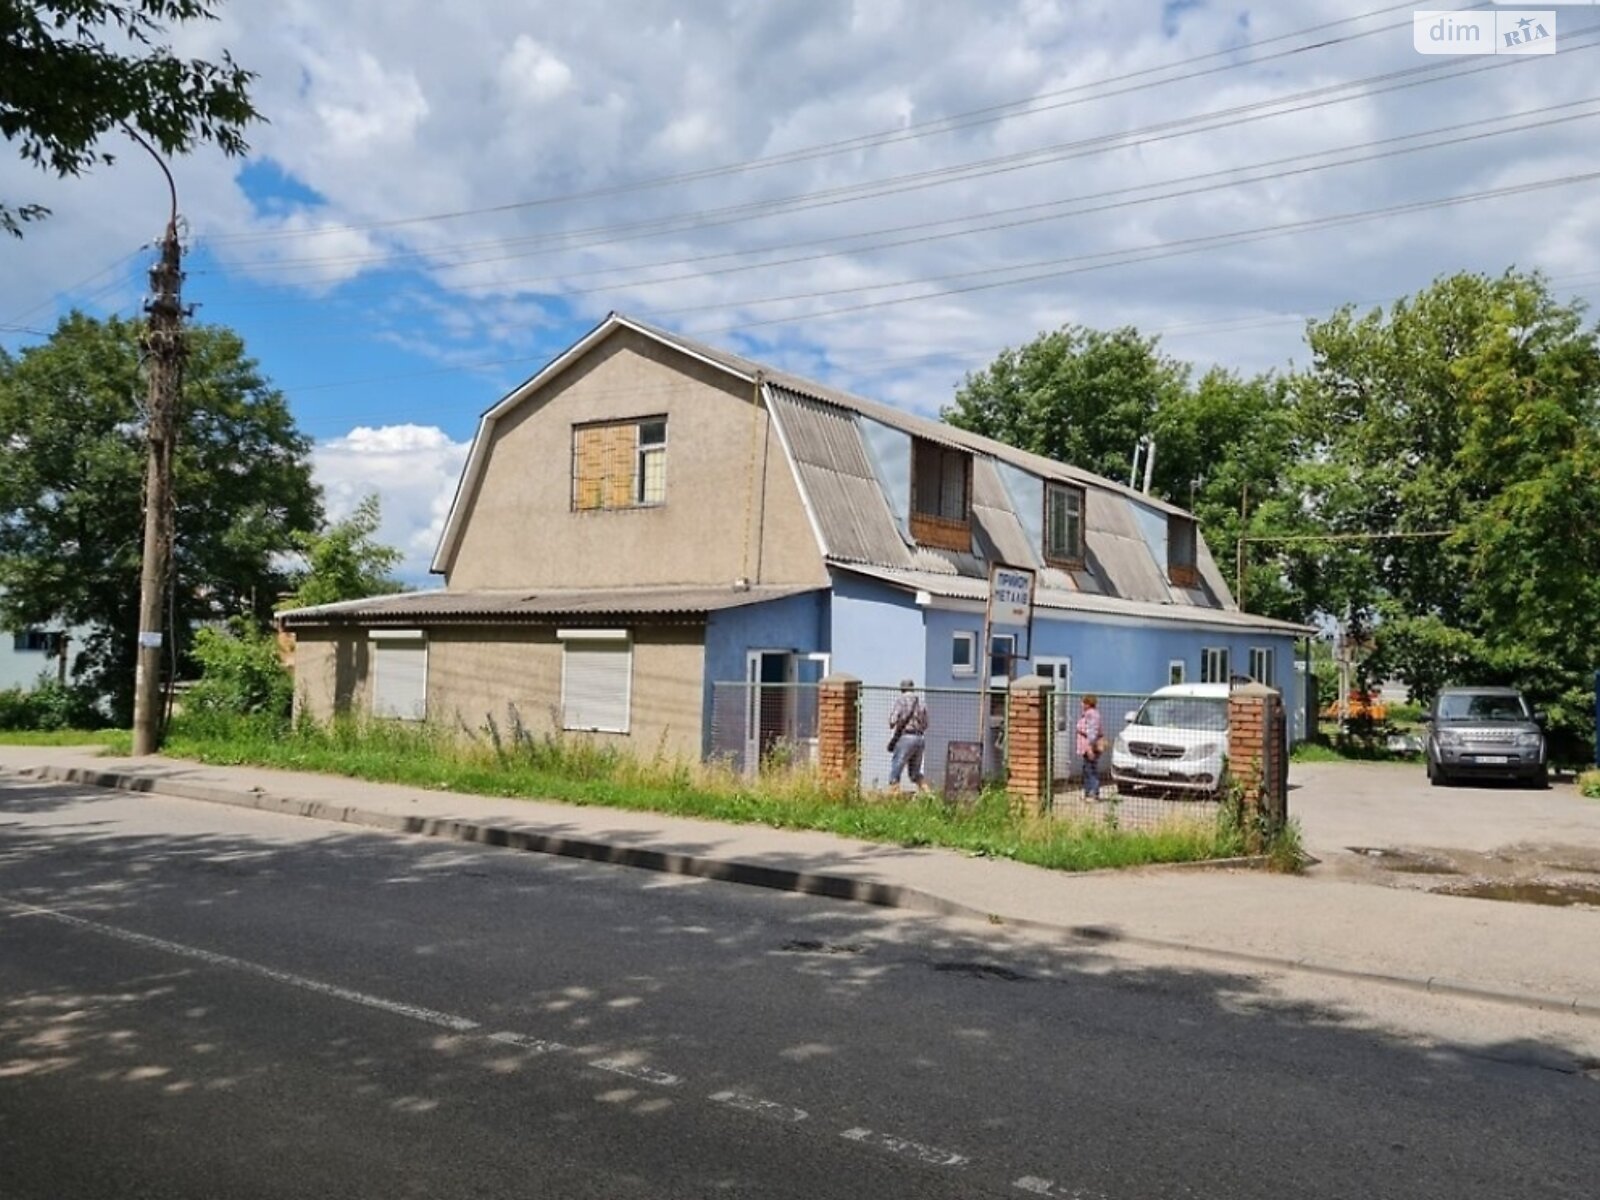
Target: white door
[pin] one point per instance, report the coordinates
(1062, 748)
(769, 703)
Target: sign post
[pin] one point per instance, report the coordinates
(1010, 604)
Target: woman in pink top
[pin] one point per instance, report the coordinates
(1089, 734)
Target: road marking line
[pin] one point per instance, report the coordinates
(523, 1042)
(414, 1012)
(932, 1155)
(646, 1074)
(763, 1108)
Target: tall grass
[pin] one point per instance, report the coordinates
(511, 761)
(115, 741)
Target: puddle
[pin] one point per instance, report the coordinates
(1399, 860)
(1558, 895)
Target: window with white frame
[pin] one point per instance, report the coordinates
(619, 464)
(1175, 671)
(596, 679)
(1002, 649)
(964, 654)
(399, 674)
(1214, 665)
(1262, 666)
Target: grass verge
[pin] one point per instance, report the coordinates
(577, 771)
(118, 741)
(1589, 784)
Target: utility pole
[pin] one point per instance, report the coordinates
(1238, 569)
(164, 364)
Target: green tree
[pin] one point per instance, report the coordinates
(72, 71)
(1077, 395)
(344, 563)
(1226, 441)
(1471, 409)
(72, 458)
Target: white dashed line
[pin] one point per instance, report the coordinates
(523, 1042)
(931, 1155)
(762, 1108)
(414, 1012)
(645, 1074)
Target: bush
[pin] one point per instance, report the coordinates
(50, 705)
(241, 677)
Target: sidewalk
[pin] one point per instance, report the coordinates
(1479, 948)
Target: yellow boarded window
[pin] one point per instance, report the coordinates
(619, 464)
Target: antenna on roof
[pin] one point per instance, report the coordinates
(1146, 445)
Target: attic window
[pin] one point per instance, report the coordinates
(1182, 564)
(941, 489)
(1063, 525)
(619, 464)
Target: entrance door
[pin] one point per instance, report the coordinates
(1063, 746)
(769, 703)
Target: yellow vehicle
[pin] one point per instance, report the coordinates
(1367, 706)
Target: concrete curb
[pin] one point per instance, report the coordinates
(811, 883)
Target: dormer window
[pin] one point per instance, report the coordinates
(1182, 562)
(1063, 526)
(941, 491)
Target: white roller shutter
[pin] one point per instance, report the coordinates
(399, 674)
(596, 679)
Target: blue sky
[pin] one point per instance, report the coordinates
(442, 189)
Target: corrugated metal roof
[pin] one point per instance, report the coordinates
(960, 587)
(441, 606)
(923, 427)
(837, 479)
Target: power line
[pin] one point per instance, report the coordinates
(67, 291)
(1166, 249)
(1262, 176)
(934, 126)
(533, 245)
(1157, 252)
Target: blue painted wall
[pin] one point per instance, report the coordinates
(798, 623)
(877, 631)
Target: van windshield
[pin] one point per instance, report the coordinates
(1466, 706)
(1184, 712)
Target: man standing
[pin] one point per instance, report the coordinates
(908, 720)
(1091, 744)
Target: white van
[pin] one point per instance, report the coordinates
(1177, 741)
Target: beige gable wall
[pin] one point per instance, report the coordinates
(475, 673)
(732, 509)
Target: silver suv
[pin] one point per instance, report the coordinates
(1485, 732)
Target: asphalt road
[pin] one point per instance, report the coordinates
(198, 1001)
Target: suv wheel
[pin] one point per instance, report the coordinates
(1436, 775)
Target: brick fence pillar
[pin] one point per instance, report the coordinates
(838, 729)
(1028, 744)
(1258, 751)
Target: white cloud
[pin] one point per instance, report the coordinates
(531, 74)
(412, 468)
(388, 109)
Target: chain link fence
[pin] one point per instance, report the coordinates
(1163, 761)
(763, 725)
(963, 748)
